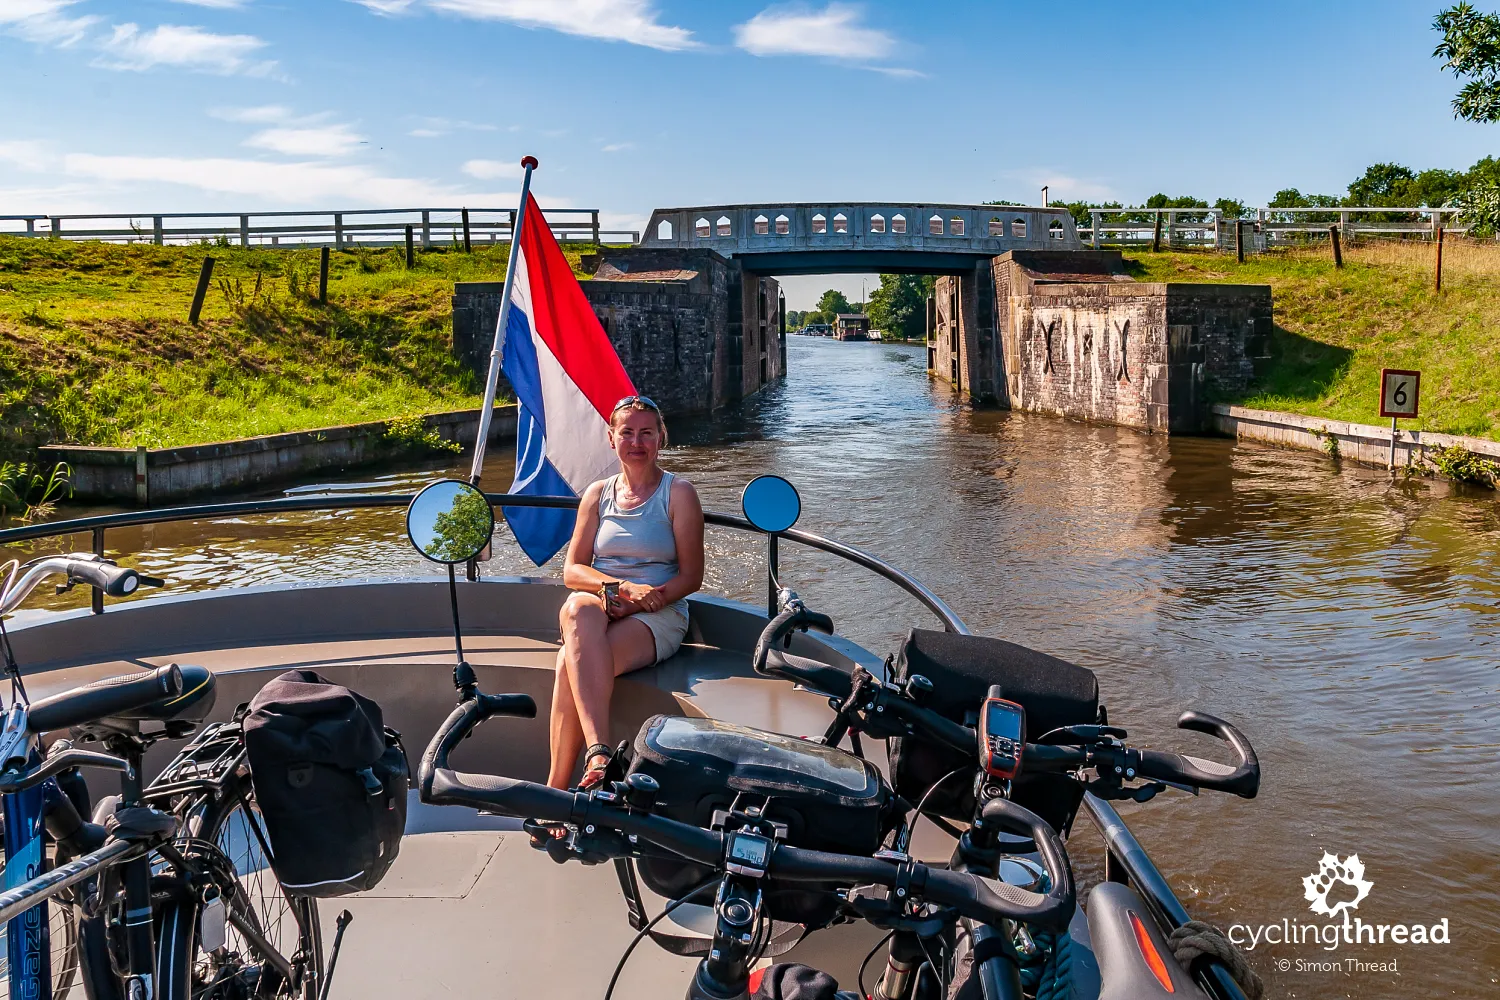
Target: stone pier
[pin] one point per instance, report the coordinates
(694, 329)
(1072, 334)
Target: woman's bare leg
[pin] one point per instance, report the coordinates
(595, 651)
(566, 736)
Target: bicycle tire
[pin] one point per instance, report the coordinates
(290, 923)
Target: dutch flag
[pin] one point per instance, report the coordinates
(566, 377)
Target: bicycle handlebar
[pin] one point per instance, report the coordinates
(1241, 778)
(971, 896)
(12, 781)
(103, 698)
(116, 581)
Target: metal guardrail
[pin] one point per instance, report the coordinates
(1206, 228)
(356, 227)
(97, 525)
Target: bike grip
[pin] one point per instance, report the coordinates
(460, 722)
(1056, 908)
(1242, 779)
(773, 633)
(116, 581)
(103, 698)
(820, 677)
(821, 622)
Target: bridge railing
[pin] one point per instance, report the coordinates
(339, 229)
(1207, 229)
(771, 226)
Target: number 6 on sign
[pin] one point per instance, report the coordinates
(1399, 392)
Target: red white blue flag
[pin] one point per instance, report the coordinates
(567, 379)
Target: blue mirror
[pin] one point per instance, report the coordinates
(771, 503)
(450, 521)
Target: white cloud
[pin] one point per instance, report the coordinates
(425, 133)
(215, 4)
(633, 21)
(616, 147)
(265, 114)
(289, 184)
(28, 154)
(432, 128)
(386, 6)
(183, 46)
(43, 21)
(834, 32)
(1061, 186)
(487, 170)
(325, 140)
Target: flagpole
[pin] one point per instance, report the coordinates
(492, 379)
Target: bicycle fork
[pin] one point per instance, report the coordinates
(140, 942)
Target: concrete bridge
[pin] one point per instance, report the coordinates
(849, 237)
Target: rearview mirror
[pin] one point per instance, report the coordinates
(450, 521)
(771, 503)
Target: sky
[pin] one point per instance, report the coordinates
(630, 105)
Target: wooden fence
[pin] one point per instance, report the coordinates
(1207, 229)
(360, 227)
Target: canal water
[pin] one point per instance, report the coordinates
(1349, 626)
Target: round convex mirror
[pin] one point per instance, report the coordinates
(450, 521)
(771, 503)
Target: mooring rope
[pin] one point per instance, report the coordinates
(1195, 939)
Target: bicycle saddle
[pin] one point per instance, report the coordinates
(191, 706)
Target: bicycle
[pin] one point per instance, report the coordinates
(161, 872)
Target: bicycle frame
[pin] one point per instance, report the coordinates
(28, 936)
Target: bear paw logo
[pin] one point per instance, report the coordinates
(1331, 873)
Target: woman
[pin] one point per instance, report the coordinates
(636, 553)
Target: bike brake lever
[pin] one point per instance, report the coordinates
(150, 581)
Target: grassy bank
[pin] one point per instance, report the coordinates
(1335, 329)
(95, 346)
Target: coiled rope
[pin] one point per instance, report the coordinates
(1195, 939)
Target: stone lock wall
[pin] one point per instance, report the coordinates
(1078, 338)
(693, 330)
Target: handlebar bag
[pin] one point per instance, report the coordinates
(827, 799)
(330, 780)
(962, 667)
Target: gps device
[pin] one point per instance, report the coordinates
(747, 854)
(1002, 733)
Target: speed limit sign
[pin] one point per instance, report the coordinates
(1399, 392)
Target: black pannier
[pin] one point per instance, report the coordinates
(331, 782)
(829, 800)
(962, 667)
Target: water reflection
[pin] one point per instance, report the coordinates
(1348, 624)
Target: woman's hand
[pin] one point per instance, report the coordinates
(639, 597)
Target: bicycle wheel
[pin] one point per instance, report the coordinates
(62, 928)
(288, 924)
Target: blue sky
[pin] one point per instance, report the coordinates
(632, 104)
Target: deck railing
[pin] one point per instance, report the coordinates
(355, 227)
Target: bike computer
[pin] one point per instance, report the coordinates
(747, 854)
(1002, 734)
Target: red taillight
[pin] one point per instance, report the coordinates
(1150, 954)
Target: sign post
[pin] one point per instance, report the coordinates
(1399, 397)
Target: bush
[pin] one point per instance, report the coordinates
(1463, 466)
(411, 433)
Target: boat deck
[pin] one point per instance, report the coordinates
(469, 909)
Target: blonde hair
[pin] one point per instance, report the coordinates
(638, 406)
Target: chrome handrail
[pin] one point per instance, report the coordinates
(99, 523)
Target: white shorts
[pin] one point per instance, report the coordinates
(668, 627)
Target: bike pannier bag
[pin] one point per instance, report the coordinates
(962, 667)
(829, 800)
(330, 780)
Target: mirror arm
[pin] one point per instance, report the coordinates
(463, 674)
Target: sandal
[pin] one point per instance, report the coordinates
(596, 761)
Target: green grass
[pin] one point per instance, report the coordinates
(1335, 329)
(95, 347)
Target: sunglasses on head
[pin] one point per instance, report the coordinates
(645, 401)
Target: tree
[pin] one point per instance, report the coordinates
(1382, 184)
(1471, 49)
(899, 306)
(833, 302)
